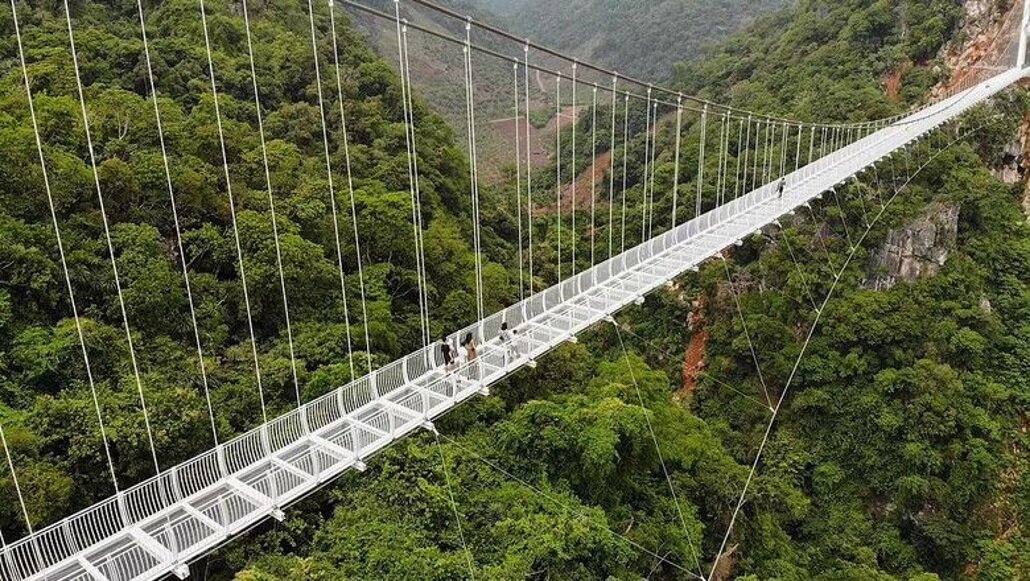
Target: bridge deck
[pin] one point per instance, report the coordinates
(157, 527)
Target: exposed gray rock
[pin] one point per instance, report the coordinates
(916, 250)
(1011, 169)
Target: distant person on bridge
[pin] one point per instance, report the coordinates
(779, 188)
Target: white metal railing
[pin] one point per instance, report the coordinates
(155, 527)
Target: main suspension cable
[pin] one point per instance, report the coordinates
(453, 14)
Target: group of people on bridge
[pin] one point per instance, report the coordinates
(467, 352)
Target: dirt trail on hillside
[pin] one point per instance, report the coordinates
(541, 139)
(599, 170)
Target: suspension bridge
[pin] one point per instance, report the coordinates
(157, 527)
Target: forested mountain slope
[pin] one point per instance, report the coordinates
(642, 38)
(839, 55)
(45, 400)
(900, 453)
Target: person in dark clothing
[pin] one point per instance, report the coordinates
(780, 188)
(447, 353)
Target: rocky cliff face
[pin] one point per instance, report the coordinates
(989, 33)
(1011, 169)
(916, 250)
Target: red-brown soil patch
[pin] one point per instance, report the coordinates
(892, 83)
(694, 361)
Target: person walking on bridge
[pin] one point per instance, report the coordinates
(779, 189)
(507, 337)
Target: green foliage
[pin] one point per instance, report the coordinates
(542, 489)
(59, 452)
(897, 454)
(838, 52)
(895, 457)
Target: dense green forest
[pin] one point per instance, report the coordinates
(44, 397)
(900, 453)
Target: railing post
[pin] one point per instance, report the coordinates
(339, 401)
(373, 384)
(302, 411)
(123, 511)
(306, 431)
(220, 457)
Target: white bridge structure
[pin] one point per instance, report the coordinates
(157, 527)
